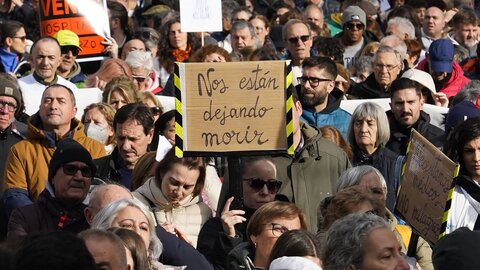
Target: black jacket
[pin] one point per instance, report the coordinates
(400, 136)
(369, 89)
(385, 161)
(215, 244)
(45, 215)
(179, 252)
(108, 167)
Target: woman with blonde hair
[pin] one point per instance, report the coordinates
(109, 69)
(120, 91)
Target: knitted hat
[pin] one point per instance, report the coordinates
(440, 55)
(458, 250)
(67, 151)
(10, 89)
(354, 13)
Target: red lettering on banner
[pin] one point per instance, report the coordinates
(57, 8)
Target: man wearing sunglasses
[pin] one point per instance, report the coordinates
(141, 64)
(61, 205)
(319, 97)
(70, 48)
(353, 35)
(298, 41)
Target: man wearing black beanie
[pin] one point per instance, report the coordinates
(60, 206)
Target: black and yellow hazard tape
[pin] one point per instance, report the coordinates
(448, 205)
(289, 107)
(178, 112)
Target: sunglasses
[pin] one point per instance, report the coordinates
(139, 79)
(351, 26)
(22, 38)
(155, 110)
(73, 49)
(257, 184)
(71, 170)
(294, 40)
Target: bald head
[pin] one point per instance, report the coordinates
(103, 195)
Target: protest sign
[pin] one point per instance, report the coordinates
(87, 18)
(426, 181)
(233, 107)
(201, 15)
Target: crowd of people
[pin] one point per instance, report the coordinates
(107, 191)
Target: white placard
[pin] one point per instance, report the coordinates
(201, 15)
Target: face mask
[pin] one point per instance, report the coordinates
(96, 132)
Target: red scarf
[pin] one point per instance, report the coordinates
(181, 55)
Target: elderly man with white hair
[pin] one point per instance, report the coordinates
(401, 27)
(141, 64)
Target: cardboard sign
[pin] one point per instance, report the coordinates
(201, 15)
(426, 181)
(232, 107)
(87, 18)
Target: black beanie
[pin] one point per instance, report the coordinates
(457, 250)
(67, 151)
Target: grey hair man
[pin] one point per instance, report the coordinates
(298, 40)
(106, 248)
(401, 27)
(243, 36)
(141, 64)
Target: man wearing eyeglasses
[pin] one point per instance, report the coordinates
(319, 97)
(70, 48)
(11, 131)
(387, 66)
(352, 37)
(61, 205)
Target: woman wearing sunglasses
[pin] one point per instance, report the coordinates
(12, 49)
(266, 225)
(173, 194)
(228, 229)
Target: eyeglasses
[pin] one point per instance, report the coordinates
(71, 170)
(65, 49)
(388, 67)
(294, 40)
(22, 38)
(139, 79)
(313, 81)
(351, 26)
(257, 184)
(155, 110)
(10, 106)
(277, 229)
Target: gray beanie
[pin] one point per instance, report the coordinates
(354, 13)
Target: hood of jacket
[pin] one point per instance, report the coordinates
(154, 195)
(36, 132)
(333, 101)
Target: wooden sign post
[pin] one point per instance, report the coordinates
(426, 182)
(86, 18)
(233, 107)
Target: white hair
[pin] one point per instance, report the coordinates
(405, 26)
(140, 59)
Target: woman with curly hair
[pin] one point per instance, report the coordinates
(174, 46)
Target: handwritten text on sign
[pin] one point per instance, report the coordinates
(424, 188)
(234, 106)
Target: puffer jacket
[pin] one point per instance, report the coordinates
(311, 174)
(189, 215)
(26, 170)
(46, 215)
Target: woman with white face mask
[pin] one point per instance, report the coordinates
(98, 124)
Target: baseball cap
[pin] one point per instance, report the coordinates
(67, 38)
(440, 55)
(10, 89)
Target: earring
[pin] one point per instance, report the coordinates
(255, 244)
